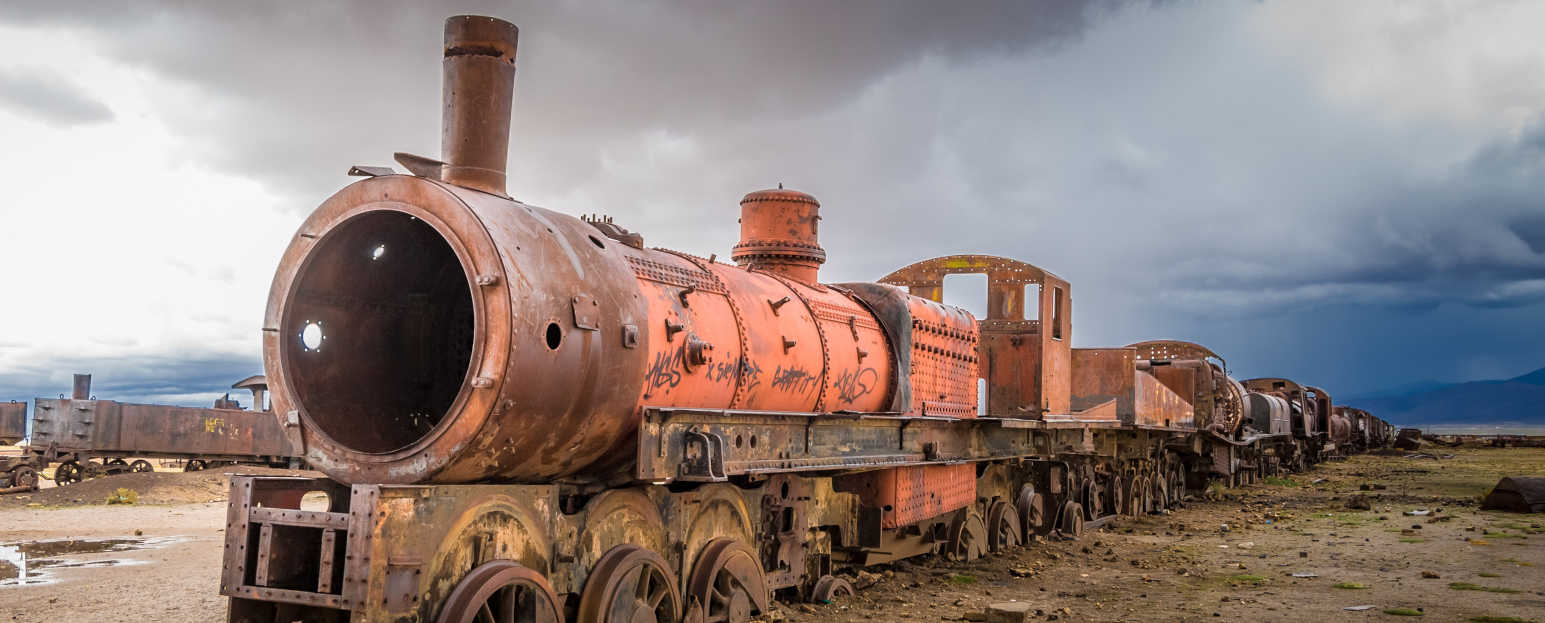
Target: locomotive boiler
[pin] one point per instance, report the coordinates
(533, 416)
(428, 328)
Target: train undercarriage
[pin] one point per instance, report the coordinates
(711, 545)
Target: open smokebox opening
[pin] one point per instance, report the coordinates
(377, 336)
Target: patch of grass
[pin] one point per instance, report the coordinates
(1515, 561)
(123, 496)
(1487, 618)
(961, 578)
(1403, 612)
(1502, 535)
(1467, 586)
(1253, 580)
(1413, 540)
(1488, 574)
(1282, 482)
(1351, 586)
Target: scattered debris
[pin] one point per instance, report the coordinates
(1520, 494)
(1359, 502)
(1431, 575)
(1359, 608)
(1306, 574)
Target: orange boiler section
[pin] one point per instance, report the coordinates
(418, 331)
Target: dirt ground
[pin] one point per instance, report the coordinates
(1182, 566)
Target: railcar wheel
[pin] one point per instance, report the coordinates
(1156, 493)
(967, 538)
(1118, 495)
(117, 463)
(501, 591)
(727, 584)
(193, 465)
(141, 466)
(68, 473)
(630, 584)
(1003, 529)
(830, 588)
(1093, 502)
(1032, 511)
(1072, 524)
(25, 476)
(1177, 484)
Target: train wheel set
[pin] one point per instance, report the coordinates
(526, 416)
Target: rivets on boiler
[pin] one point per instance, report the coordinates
(482, 382)
(487, 280)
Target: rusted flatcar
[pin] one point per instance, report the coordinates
(17, 473)
(526, 416)
(88, 437)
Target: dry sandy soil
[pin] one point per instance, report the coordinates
(1183, 566)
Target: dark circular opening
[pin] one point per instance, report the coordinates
(385, 297)
(554, 336)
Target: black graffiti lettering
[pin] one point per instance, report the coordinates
(665, 371)
(794, 379)
(853, 384)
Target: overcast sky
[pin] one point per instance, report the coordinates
(1349, 194)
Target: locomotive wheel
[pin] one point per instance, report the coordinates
(1032, 511)
(1135, 496)
(502, 591)
(117, 463)
(1003, 529)
(1177, 486)
(968, 538)
(1118, 495)
(141, 466)
(830, 588)
(1156, 493)
(25, 476)
(630, 585)
(67, 473)
(1093, 499)
(1072, 523)
(193, 465)
(727, 584)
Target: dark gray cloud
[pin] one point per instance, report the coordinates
(1189, 178)
(52, 99)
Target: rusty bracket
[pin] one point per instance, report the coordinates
(586, 310)
(704, 458)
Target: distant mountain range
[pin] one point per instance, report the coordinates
(1519, 400)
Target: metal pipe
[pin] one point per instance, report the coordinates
(479, 70)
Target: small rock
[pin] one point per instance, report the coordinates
(1430, 575)
(1359, 502)
(1007, 612)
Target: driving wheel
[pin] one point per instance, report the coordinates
(727, 584)
(630, 584)
(501, 591)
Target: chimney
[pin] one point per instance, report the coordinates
(82, 387)
(778, 234)
(479, 84)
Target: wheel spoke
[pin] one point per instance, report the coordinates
(511, 598)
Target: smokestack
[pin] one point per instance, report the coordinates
(82, 387)
(778, 234)
(479, 84)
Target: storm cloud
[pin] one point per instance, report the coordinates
(1346, 194)
(49, 98)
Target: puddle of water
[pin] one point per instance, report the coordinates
(29, 562)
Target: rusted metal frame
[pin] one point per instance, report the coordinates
(244, 513)
(670, 442)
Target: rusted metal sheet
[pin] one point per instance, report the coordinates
(98, 426)
(908, 495)
(1217, 400)
(108, 427)
(13, 422)
(1156, 405)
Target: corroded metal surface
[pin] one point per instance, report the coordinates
(13, 421)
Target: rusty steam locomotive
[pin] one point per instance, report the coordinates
(527, 416)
